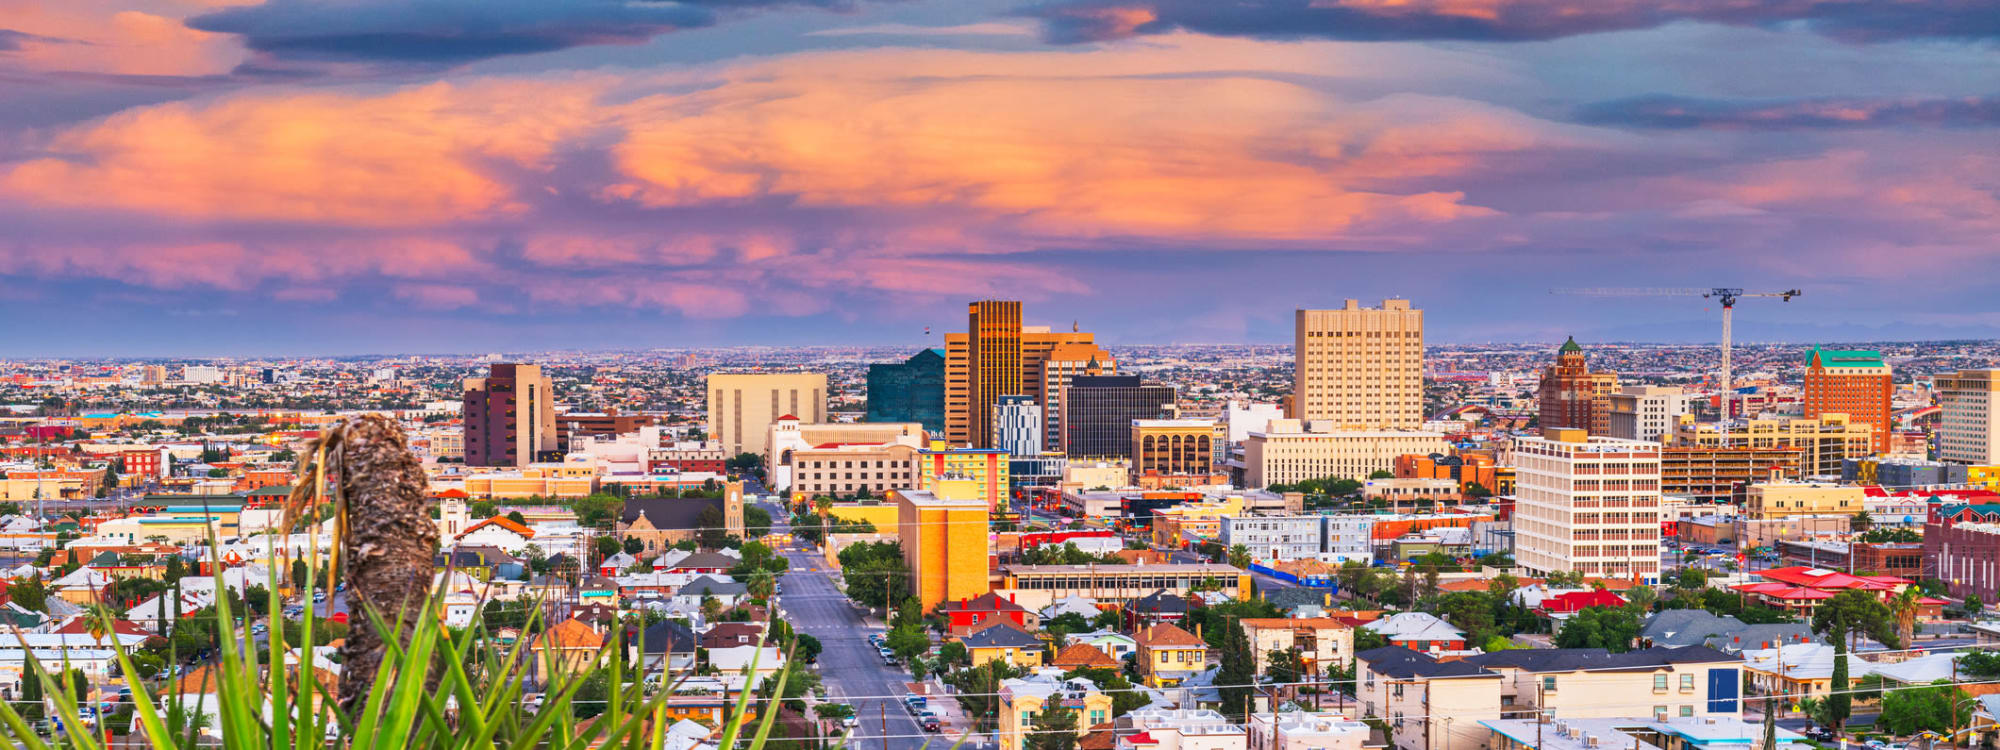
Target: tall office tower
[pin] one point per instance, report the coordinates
(1646, 412)
(510, 416)
(1573, 396)
(1017, 426)
(1588, 504)
(1969, 425)
(997, 356)
(1053, 372)
(909, 391)
(1360, 368)
(1855, 383)
(742, 406)
(1098, 411)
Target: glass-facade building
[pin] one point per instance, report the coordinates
(909, 391)
(1099, 409)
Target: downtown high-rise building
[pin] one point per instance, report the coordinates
(998, 356)
(743, 406)
(1572, 395)
(510, 416)
(1587, 504)
(1360, 368)
(1969, 417)
(1856, 383)
(1099, 411)
(909, 391)
(1017, 426)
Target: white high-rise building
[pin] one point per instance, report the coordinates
(1588, 504)
(1969, 418)
(1645, 412)
(1017, 426)
(202, 374)
(1245, 418)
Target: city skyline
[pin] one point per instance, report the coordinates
(298, 176)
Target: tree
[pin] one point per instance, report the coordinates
(711, 528)
(907, 641)
(633, 546)
(1608, 628)
(1054, 728)
(833, 711)
(1903, 607)
(756, 521)
(1472, 612)
(1284, 666)
(483, 509)
(1239, 556)
(1861, 522)
(30, 702)
(1938, 707)
(607, 546)
(516, 517)
(30, 594)
(745, 463)
(598, 509)
(1842, 619)
(1238, 676)
(953, 653)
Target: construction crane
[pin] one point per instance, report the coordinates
(1727, 295)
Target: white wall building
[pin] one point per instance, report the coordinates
(1969, 422)
(1645, 412)
(1290, 451)
(1589, 504)
(1244, 418)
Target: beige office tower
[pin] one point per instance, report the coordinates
(742, 406)
(1053, 372)
(997, 356)
(1360, 368)
(1969, 417)
(1587, 504)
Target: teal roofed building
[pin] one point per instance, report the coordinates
(1844, 358)
(1854, 382)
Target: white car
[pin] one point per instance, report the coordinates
(850, 721)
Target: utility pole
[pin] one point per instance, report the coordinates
(883, 709)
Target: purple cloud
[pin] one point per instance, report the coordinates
(1682, 113)
(1506, 20)
(456, 31)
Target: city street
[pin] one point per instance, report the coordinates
(848, 665)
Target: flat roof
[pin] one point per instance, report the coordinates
(1211, 568)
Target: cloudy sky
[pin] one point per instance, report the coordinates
(297, 176)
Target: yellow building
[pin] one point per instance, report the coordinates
(1191, 522)
(1984, 476)
(1176, 448)
(537, 480)
(945, 545)
(1824, 441)
(964, 474)
(1001, 641)
(883, 515)
(1169, 655)
(1021, 699)
(1784, 499)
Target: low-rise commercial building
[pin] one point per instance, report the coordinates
(1038, 586)
(1784, 499)
(1290, 451)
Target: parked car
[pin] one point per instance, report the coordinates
(931, 724)
(850, 721)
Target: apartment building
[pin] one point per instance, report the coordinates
(1276, 537)
(1323, 643)
(1022, 698)
(944, 544)
(1302, 730)
(1428, 704)
(1360, 368)
(1714, 474)
(843, 458)
(1588, 504)
(1969, 423)
(509, 416)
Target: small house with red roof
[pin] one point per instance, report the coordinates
(971, 615)
(1560, 606)
(498, 531)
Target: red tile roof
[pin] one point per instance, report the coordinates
(1575, 601)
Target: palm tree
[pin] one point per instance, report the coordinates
(1861, 522)
(1239, 556)
(1903, 607)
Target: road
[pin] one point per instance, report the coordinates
(848, 665)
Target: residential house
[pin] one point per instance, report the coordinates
(969, 615)
(1118, 645)
(1303, 730)
(498, 531)
(1323, 643)
(567, 648)
(1002, 641)
(1020, 699)
(613, 566)
(705, 562)
(1153, 609)
(1081, 606)
(1592, 682)
(725, 591)
(1428, 704)
(1182, 729)
(1559, 608)
(1084, 656)
(756, 661)
(1169, 655)
(667, 644)
(730, 634)
(1419, 631)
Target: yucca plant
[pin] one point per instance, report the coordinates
(409, 682)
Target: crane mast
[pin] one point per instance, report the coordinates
(1726, 295)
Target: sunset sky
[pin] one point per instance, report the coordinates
(364, 176)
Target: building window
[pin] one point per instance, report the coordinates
(1687, 710)
(1659, 683)
(1687, 682)
(1549, 684)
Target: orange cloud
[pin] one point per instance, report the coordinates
(100, 36)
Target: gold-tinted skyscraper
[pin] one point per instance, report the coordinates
(1361, 368)
(997, 356)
